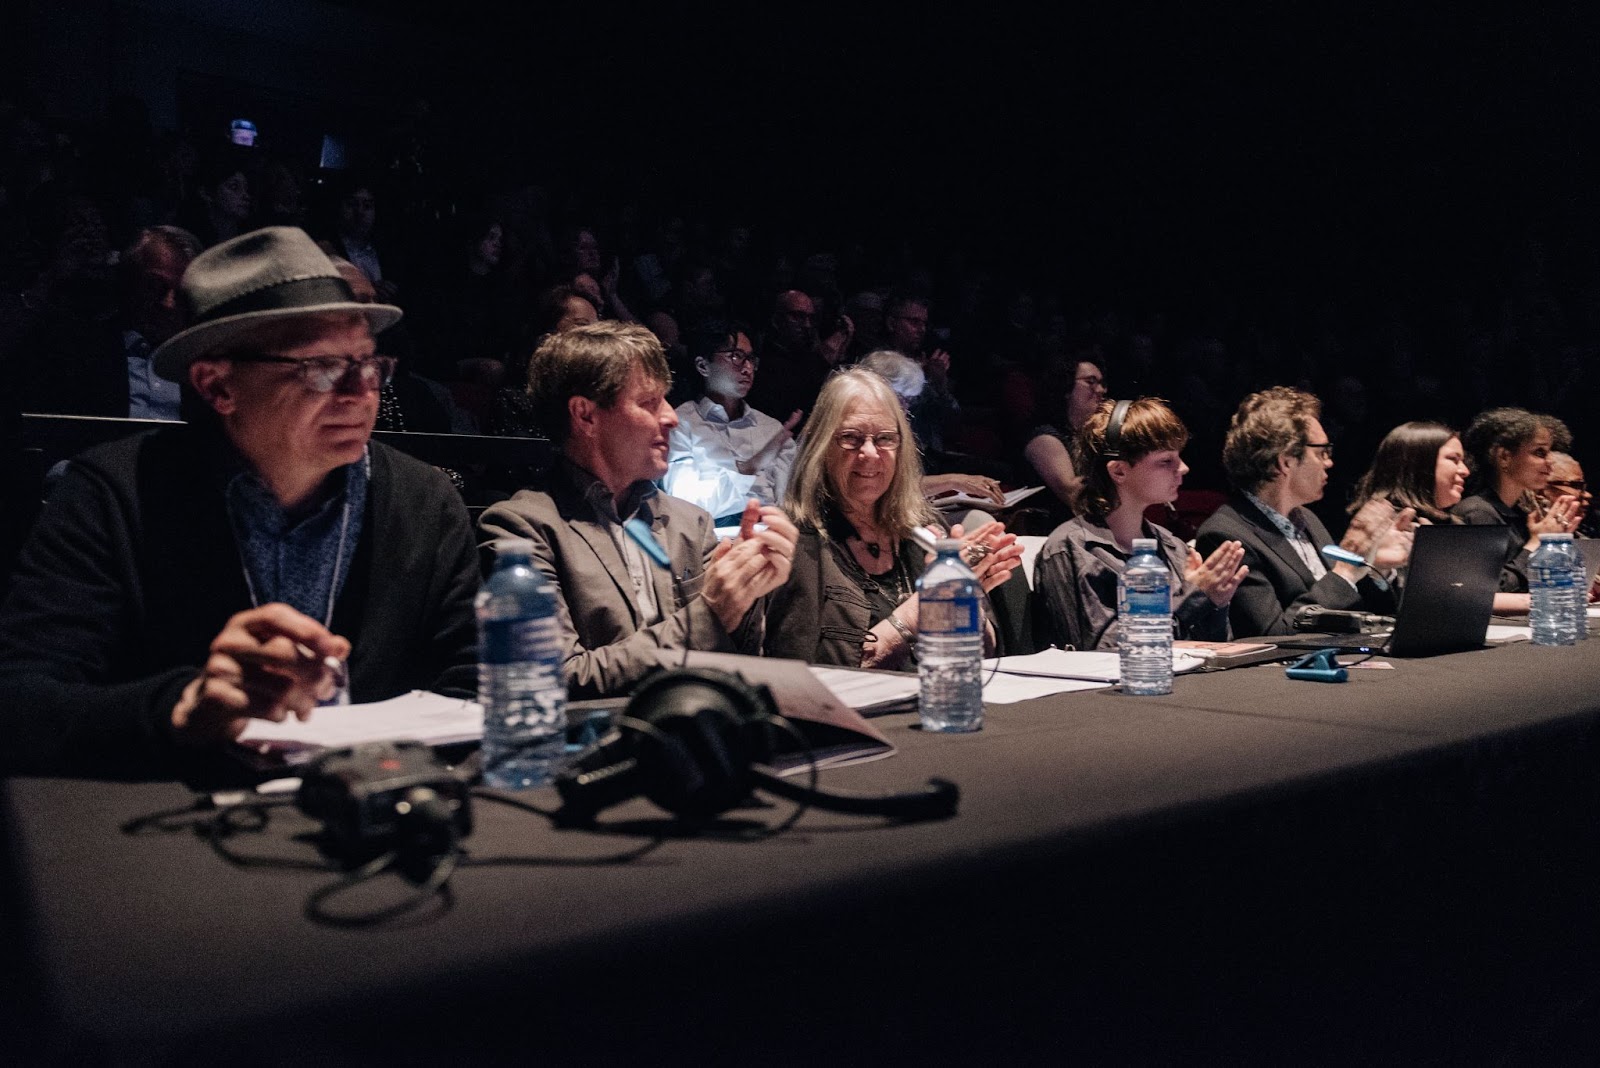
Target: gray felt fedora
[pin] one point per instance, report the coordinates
(267, 274)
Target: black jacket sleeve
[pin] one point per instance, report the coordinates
(64, 629)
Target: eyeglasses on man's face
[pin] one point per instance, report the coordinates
(1573, 486)
(324, 374)
(1325, 447)
(853, 440)
(739, 357)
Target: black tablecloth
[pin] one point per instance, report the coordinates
(1247, 866)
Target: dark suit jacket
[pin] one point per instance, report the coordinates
(132, 570)
(1486, 509)
(1279, 583)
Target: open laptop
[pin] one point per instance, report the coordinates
(1448, 596)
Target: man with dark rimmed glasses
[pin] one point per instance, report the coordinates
(1566, 478)
(1277, 456)
(724, 451)
(262, 559)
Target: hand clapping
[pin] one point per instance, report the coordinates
(990, 551)
(747, 568)
(1219, 574)
(1562, 516)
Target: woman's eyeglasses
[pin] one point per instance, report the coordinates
(852, 440)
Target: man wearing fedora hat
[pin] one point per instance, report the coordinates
(262, 558)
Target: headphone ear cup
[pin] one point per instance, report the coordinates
(690, 741)
(1113, 449)
(707, 732)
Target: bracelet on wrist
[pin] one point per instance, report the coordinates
(904, 631)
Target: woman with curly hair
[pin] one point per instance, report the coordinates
(1509, 450)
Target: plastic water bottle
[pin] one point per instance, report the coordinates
(1555, 602)
(1580, 589)
(520, 682)
(1144, 621)
(950, 642)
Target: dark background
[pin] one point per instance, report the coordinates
(1402, 151)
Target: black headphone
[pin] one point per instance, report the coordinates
(1113, 449)
(689, 741)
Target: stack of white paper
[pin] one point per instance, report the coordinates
(418, 716)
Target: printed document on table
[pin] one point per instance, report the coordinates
(1006, 689)
(418, 716)
(870, 692)
(1103, 667)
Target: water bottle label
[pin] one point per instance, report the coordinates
(1145, 603)
(958, 616)
(1557, 578)
(511, 641)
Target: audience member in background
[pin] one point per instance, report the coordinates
(738, 277)
(694, 297)
(151, 269)
(856, 495)
(906, 377)
(601, 390)
(653, 266)
(1423, 466)
(408, 402)
(1277, 457)
(355, 220)
(1566, 477)
(865, 311)
(1073, 390)
(283, 200)
(185, 581)
(472, 321)
(61, 338)
(221, 205)
(793, 365)
(603, 293)
(555, 311)
(586, 268)
(1509, 451)
(724, 452)
(905, 318)
(581, 252)
(1075, 584)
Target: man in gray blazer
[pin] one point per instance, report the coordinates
(602, 391)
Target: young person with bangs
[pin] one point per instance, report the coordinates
(1131, 453)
